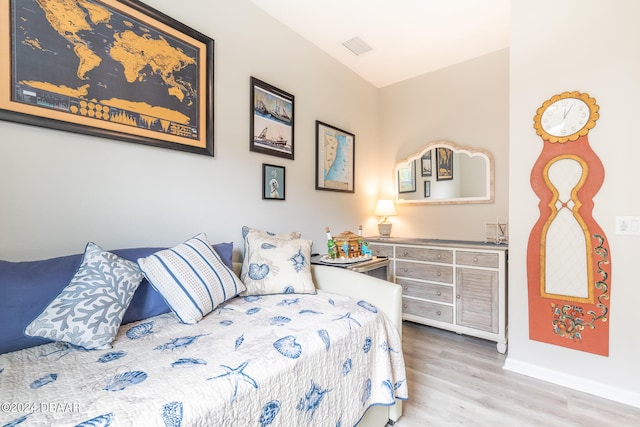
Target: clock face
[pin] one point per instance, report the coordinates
(565, 117)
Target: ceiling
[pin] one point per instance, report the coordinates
(407, 37)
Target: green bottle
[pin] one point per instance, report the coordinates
(332, 250)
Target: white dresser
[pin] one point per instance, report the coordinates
(456, 285)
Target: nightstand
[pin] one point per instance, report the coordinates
(376, 266)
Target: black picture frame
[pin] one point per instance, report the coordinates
(335, 158)
(407, 177)
(80, 82)
(425, 164)
(427, 189)
(272, 120)
(273, 182)
(444, 164)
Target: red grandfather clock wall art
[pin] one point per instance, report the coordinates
(568, 258)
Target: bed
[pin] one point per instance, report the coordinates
(333, 358)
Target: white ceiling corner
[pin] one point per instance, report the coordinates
(408, 37)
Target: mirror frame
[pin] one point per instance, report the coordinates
(472, 152)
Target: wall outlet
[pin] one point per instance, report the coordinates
(628, 225)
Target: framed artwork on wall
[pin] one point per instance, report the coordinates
(271, 120)
(427, 189)
(335, 158)
(124, 71)
(407, 177)
(273, 182)
(425, 163)
(444, 162)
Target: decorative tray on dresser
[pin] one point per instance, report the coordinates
(456, 285)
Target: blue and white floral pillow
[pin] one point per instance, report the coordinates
(274, 265)
(89, 310)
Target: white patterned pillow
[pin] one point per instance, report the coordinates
(89, 310)
(277, 266)
(248, 231)
(192, 278)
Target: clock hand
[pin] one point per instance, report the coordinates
(567, 111)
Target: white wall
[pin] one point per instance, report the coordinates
(588, 46)
(467, 104)
(59, 190)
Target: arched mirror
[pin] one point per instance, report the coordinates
(444, 173)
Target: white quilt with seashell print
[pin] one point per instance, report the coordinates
(271, 360)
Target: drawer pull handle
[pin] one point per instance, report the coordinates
(439, 313)
(438, 274)
(405, 253)
(439, 293)
(475, 259)
(439, 256)
(404, 305)
(458, 296)
(406, 287)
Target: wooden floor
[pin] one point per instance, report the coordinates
(459, 380)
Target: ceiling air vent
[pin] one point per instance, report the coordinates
(357, 46)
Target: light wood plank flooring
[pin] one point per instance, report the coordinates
(459, 380)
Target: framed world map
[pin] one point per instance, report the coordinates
(114, 69)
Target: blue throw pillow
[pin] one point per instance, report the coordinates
(146, 302)
(25, 289)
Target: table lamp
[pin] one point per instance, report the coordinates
(385, 209)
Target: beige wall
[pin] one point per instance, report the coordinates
(59, 190)
(467, 104)
(588, 47)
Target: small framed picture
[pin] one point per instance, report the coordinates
(425, 162)
(271, 120)
(444, 160)
(273, 182)
(427, 189)
(407, 177)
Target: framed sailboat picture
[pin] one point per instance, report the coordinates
(271, 120)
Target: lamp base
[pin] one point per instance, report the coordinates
(384, 229)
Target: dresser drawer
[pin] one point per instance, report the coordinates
(429, 310)
(430, 291)
(431, 272)
(381, 250)
(480, 259)
(424, 254)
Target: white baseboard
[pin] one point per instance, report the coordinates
(577, 383)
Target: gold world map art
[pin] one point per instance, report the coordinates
(101, 64)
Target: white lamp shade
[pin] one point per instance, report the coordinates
(385, 208)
